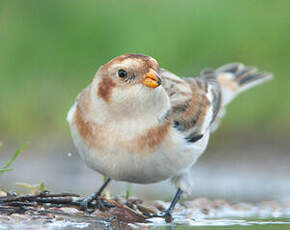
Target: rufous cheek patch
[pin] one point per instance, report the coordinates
(105, 89)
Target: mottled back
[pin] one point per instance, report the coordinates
(198, 103)
(195, 102)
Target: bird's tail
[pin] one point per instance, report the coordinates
(235, 78)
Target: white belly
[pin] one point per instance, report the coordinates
(171, 158)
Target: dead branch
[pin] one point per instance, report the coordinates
(58, 204)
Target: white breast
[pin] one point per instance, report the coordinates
(173, 156)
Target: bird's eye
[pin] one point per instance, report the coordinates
(122, 73)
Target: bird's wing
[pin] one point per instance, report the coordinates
(198, 104)
(195, 102)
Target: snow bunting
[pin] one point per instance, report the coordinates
(139, 123)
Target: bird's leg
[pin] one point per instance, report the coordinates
(85, 203)
(167, 214)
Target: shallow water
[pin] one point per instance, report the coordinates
(232, 223)
(200, 213)
(215, 224)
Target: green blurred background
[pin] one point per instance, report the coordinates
(50, 50)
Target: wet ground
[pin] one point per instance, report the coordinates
(131, 214)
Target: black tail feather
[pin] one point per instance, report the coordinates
(244, 76)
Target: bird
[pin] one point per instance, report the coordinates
(139, 123)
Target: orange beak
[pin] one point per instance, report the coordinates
(151, 80)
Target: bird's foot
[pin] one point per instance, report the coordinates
(166, 215)
(90, 203)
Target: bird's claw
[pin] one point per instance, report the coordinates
(94, 203)
(85, 203)
(166, 215)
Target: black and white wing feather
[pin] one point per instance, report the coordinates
(195, 102)
(198, 104)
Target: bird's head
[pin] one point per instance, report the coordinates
(130, 84)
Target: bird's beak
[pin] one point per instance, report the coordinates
(151, 79)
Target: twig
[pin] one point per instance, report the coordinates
(44, 203)
(33, 197)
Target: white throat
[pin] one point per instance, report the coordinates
(137, 103)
